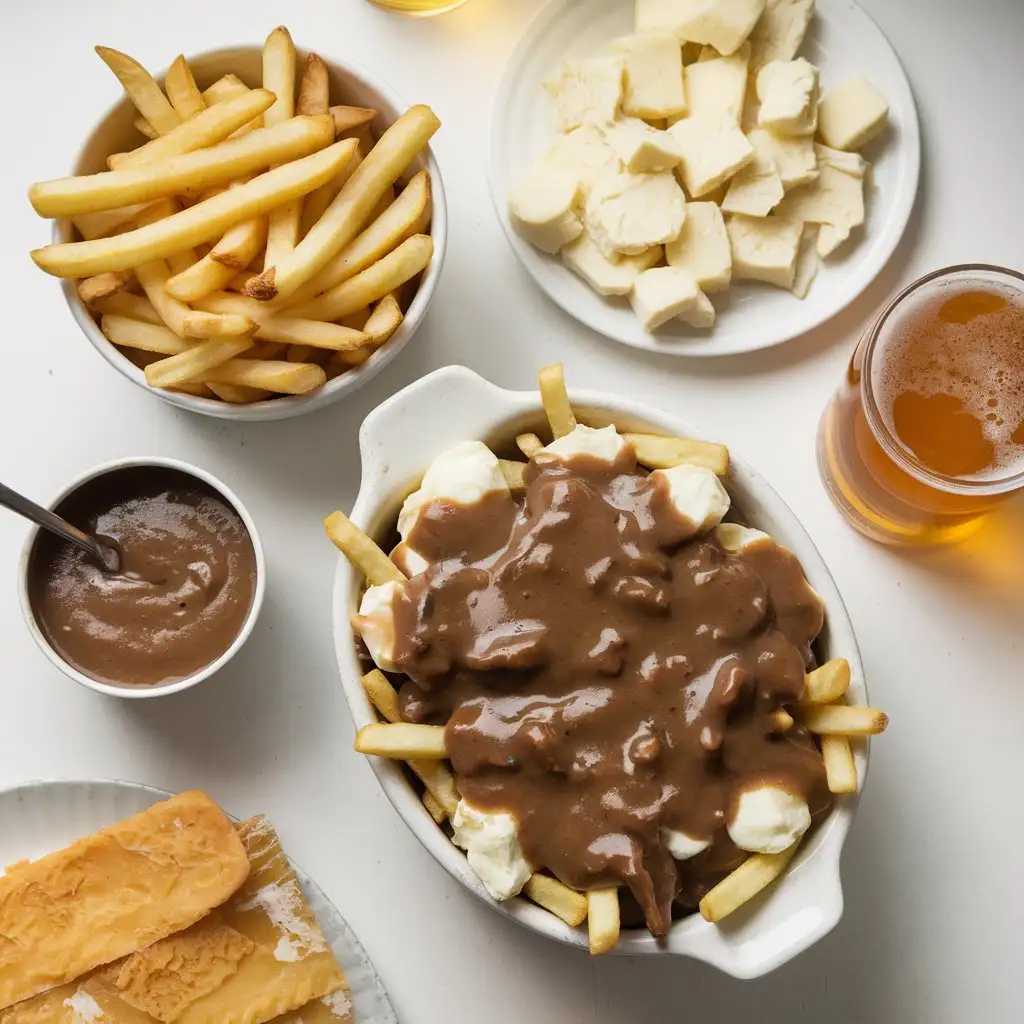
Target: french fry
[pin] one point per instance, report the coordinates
(555, 400)
(224, 89)
(182, 90)
(347, 119)
(238, 247)
(840, 768)
(102, 286)
(383, 204)
(269, 374)
(106, 222)
(402, 740)
(385, 319)
(144, 126)
(217, 325)
(513, 474)
(207, 128)
(142, 90)
(842, 720)
(603, 920)
(529, 444)
(219, 164)
(193, 363)
(120, 330)
(827, 683)
(559, 899)
(316, 203)
(153, 275)
(200, 223)
(314, 88)
(656, 452)
(196, 390)
(434, 809)
(351, 208)
(383, 695)
(239, 395)
(135, 307)
(361, 550)
(179, 262)
(398, 223)
(756, 873)
(239, 281)
(315, 333)
(372, 284)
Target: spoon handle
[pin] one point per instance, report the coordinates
(48, 521)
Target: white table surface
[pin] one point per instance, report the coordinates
(934, 927)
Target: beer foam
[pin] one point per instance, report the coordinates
(980, 362)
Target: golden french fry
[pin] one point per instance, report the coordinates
(219, 164)
(529, 444)
(207, 128)
(314, 88)
(656, 452)
(142, 89)
(224, 89)
(398, 223)
(239, 281)
(144, 126)
(239, 395)
(555, 400)
(827, 683)
(269, 374)
(316, 203)
(197, 390)
(102, 286)
(106, 222)
(240, 244)
(383, 204)
(434, 809)
(196, 361)
(383, 695)
(347, 119)
(279, 75)
(370, 285)
(402, 740)
(211, 273)
(351, 208)
(513, 473)
(385, 319)
(842, 720)
(217, 325)
(840, 768)
(182, 90)
(603, 920)
(135, 307)
(153, 275)
(315, 333)
(361, 550)
(120, 330)
(559, 899)
(179, 262)
(756, 873)
(200, 223)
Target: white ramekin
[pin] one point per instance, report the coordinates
(138, 692)
(115, 133)
(398, 440)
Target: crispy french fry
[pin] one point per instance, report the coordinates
(219, 164)
(513, 473)
(351, 208)
(196, 361)
(239, 281)
(742, 885)
(603, 920)
(239, 395)
(656, 452)
(555, 400)
(827, 683)
(106, 222)
(842, 720)
(144, 126)
(840, 768)
(314, 88)
(269, 374)
(200, 223)
(214, 271)
(372, 284)
(136, 334)
(552, 895)
(385, 319)
(402, 740)
(224, 89)
(240, 244)
(142, 89)
(315, 333)
(102, 286)
(279, 75)
(361, 550)
(347, 119)
(398, 223)
(383, 204)
(135, 307)
(529, 444)
(434, 809)
(210, 126)
(217, 325)
(316, 203)
(182, 90)
(383, 695)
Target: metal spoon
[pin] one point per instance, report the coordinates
(107, 557)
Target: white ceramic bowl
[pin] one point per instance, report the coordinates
(141, 692)
(398, 440)
(355, 86)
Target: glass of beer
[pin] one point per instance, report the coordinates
(926, 433)
(419, 8)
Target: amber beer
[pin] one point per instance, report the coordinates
(419, 8)
(926, 434)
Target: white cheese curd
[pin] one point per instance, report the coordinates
(642, 148)
(702, 247)
(795, 156)
(697, 494)
(376, 624)
(768, 820)
(542, 206)
(852, 114)
(464, 473)
(701, 314)
(588, 91)
(602, 443)
(654, 75)
(765, 248)
(682, 846)
(628, 213)
(491, 842)
(712, 152)
(723, 24)
(607, 276)
(788, 91)
(781, 30)
(662, 293)
(735, 538)
(412, 563)
(585, 152)
(755, 190)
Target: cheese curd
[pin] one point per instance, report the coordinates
(765, 248)
(702, 247)
(723, 24)
(542, 207)
(654, 75)
(585, 152)
(836, 198)
(780, 31)
(697, 494)
(756, 190)
(795, 156)
(607, 276)
(735, 538)
(768, 819)
(602, 443)
(681, 845)
(642, 148)
(806, 261)
(628, 213)
(588, 91)
(852, 115)
(712, 152)
(788, 91)
(376, 623)
(491, 842)
(716, 85)
(662, 293)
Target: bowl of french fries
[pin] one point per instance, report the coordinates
(770, 907)
(251, 234)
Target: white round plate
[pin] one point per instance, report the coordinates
(843, 41)
(39, 817)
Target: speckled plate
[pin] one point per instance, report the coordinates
(41, 816)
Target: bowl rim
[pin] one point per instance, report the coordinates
(816, 866)
(290, 405)
(164, 689)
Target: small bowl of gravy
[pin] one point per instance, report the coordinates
(185, 597)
